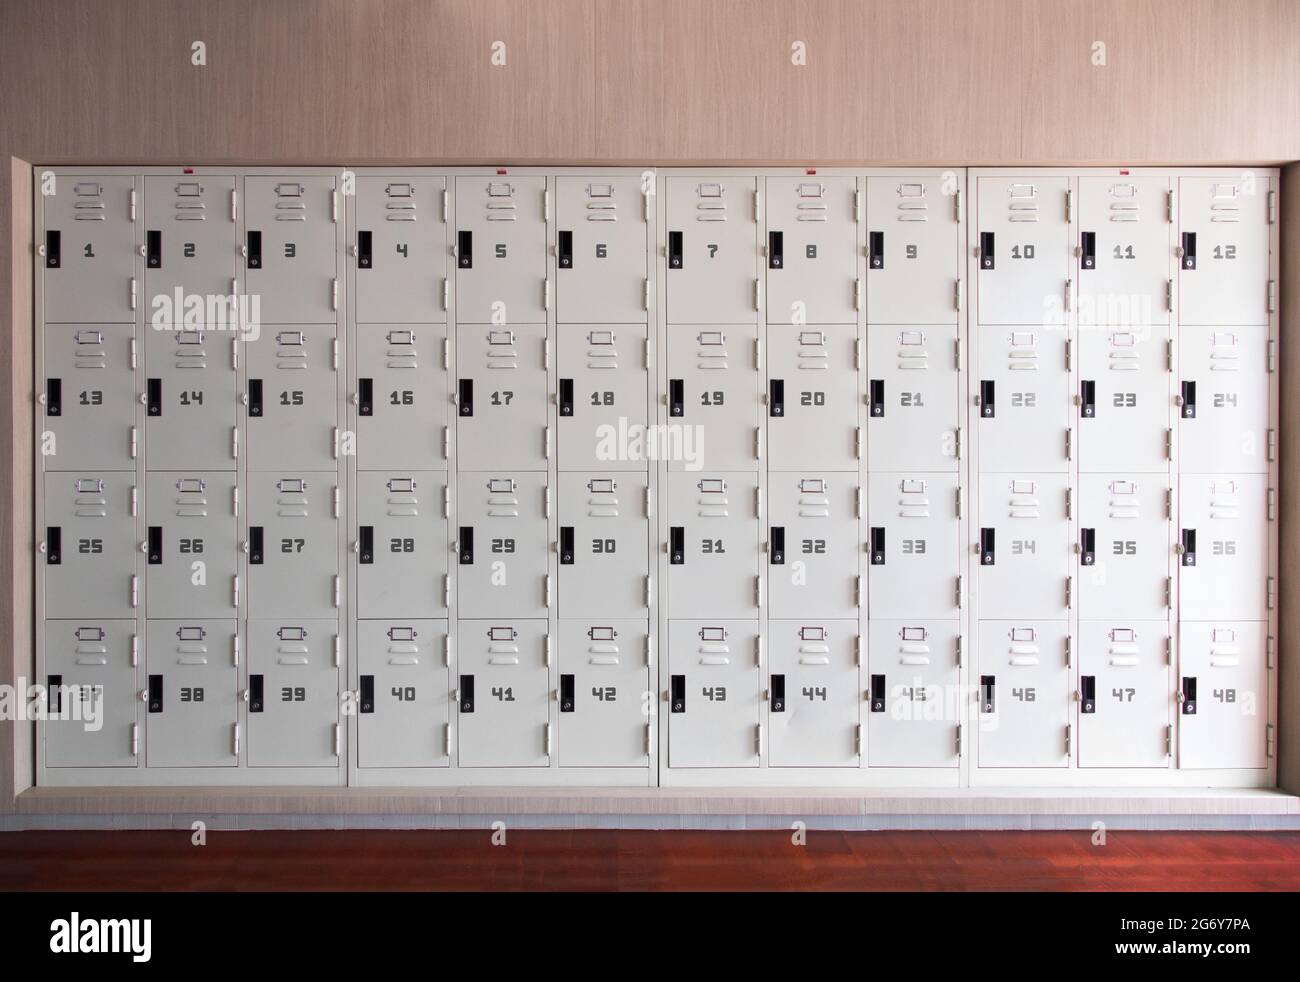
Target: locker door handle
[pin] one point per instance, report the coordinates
(777, 550)
(1087, 398)
(677, 699)
(987, 687)
(776, 397)
(1087, 693)
(254, 249)
(365, 397)
(366, 545)
(876, 398)
(255, 398)
(255, 551)
(775, 250)
(1088, 546)
(465, 396)
(53, 249)
(1088, 250)
(566, 545)
(366, 698)
(986, 250)
(255, 693)
(1189, 250)
(566, 693)
(877, 545)
(153, 249)
(776, 694)
(153, 397)
(465, 250)
(467, 693)
(988, 553)
(467, 545)
(877, 693)
(155, 694)
(676, 397)
(155, 545)
(1187, 695)
(876, 250)
(677, 545)
(564, 249)
(675, 250)
(365, 250)
(53, 397)
(987, 400)
(54, 545)
(1188, 391)
(566, 397)
(1189, 547)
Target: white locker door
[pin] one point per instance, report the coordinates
(90, 546)
(1125, 251)
(293, 693)
(502, 397)
(89, 402)
(812, 398)
(403, 712)
(1223, 400)
(192, 548)
(1223, 266)
(1126, 694)
(191, 404)
(914, 693)
(603, 381)
(1125, 546)
(401, 396)
(1023, 546)
(712, 545)
(714, 398)
(504, 693)
(1124, 399)
(401, 249)
(812, 255)
(605, 695)
(192, 700)
(1024, 250)
(293, 545)
(713, 255)
(813, 694)
(293, 398)
(403, 546)
(191, 254)
(715, 700)
(93, 717)
(1024, 710)
(913, 398)
(813, 550)
(601, 250)
(88, 257)
(290, 248)
(503, 548)
(604, 545)
(1023, 399)
(1223, 546)
(914, 552)
(1223, 694)
(501, 250)
(914, 251)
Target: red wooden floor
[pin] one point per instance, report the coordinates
(637, 860)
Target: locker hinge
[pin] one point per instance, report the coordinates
(334, 354)
(649, 651)
(758, 502)
(857, 591)
(758, 353)
(1268, 741)
(857, 354)
(1169, 503)
(959, 591)
(1069, 444)
(546, 354)
(135, 651)
(236, 740)
(1069, 732)
(1069, 353)
(758, 592)
(338, 590)
(234, 442)
(234, 501)
(335, 647)
(758, 650)
(960, 651)
(857, 205)
(546, 294)
(448, 649)
(334, 207)
(1169, 651)
(1272, 444)
(446, 589)
(546, 205)
(758, 294)
(645, 293)
(857, 293)
(1271, 591)
(857, 443)
(1169, 739)
(334, 501)
(234, 593)
(646, 198)
(134, 292)
(649, 503)
(130, 205)
(956, 294)
(957, 495)
(647, 353)
(546, 502)
(1169, 206)
(135, 449)
(234, 354)
(1169, 443)
(1270, 651)
(1069, 593)
(135, 590)
(1169, 355)
(546, 649)
(1069, 205)
(1272, 505)
(1272, 355)
(446, 442)
(1169, 294)
(1069, 503)
(1272, 207)
(546, 442)
(334, 450)
(758, 740)
(547, 600)
(1069, 651)
(958, 446)
(446, 302)
(958, 739)
(446, 202)
(857, 500)
(857, 650)
(133, 352)
(758, 205)
(1069, 296)
(1272, 296)
(649, 739)
(956, 354)
(649, 592)
(758, 443)
(234, 293)
(857, 739)
(956, 205)
(338, 739)
(135, 739)
(1169, 591)
(234, 204)
(446, 501)
(548, 739)
(449, 740)
(334, 293)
